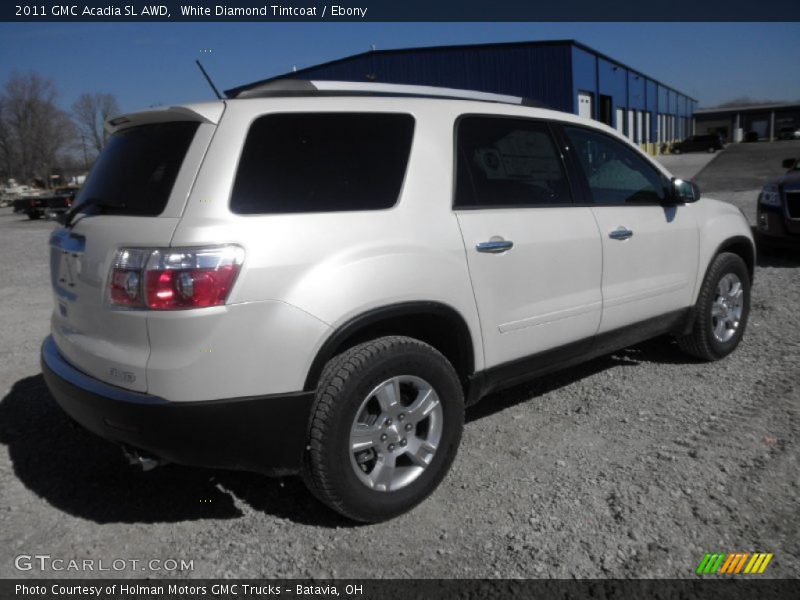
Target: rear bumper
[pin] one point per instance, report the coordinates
(266, 434)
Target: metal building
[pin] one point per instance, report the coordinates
(565, 75)
(750, 122)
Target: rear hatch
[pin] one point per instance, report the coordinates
(133, 197)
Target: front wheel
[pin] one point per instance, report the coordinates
(721, 311)
(385, 427)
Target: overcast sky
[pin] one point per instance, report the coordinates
(148, 64)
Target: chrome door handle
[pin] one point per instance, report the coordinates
(620, 233)
(495, 247)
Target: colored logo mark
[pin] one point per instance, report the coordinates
(733, 564)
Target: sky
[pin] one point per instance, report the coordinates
(148, 64)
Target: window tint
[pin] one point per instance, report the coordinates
(507, 162)
(615, 172)
(308, 162)
(135, 172)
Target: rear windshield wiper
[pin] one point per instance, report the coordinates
(66, 218)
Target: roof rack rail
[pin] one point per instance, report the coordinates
(303, 87)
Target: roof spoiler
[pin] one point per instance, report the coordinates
(208, 112)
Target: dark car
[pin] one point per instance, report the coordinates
(751, 137)
(789, 133)
(37, 207)
(699, 143)
(779, 207)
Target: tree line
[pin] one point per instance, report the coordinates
(38, 139)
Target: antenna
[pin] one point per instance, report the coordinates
(208, 79)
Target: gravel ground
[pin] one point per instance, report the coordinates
(631, 465)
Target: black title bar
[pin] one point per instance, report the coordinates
(716, 588)
(405, 10)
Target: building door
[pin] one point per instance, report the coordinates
(761, 127)
(619, 124)
(585, 105)
(606, 116)
(639, 130)
(631, 124)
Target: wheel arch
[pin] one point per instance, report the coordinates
(741, 246)
(434, 323)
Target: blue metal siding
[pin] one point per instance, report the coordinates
(613, 82)
(584, 78)
(651, 91)
(636, 89)
(357, 68)
(542, 73)
(552, 73)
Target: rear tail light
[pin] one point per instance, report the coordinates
(174, 278)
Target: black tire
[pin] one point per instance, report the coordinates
(34, 215)
(701, 342)
(346, 382)
(712, 150)
(676, 151)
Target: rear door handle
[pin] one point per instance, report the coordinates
(495, 246)
(620, 233)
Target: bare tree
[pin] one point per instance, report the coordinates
(33, 130)
(91, 111)
(6, 148)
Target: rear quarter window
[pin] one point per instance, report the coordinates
(322, 162)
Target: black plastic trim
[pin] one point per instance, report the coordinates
(266, 434)
(517, 371)
(374, 316)
(735, 241)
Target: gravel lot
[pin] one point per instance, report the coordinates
(632, 465)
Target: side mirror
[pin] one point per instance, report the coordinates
(789, 163)
(684, 192)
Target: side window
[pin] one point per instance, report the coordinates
(616, 173)
(322, 162)
(507, 162)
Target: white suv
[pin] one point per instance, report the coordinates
(318, 280)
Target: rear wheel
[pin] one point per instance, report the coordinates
(33, 215)
(721, 311)
(385, 428)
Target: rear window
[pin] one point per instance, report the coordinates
(326, 162)
(135, 172)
